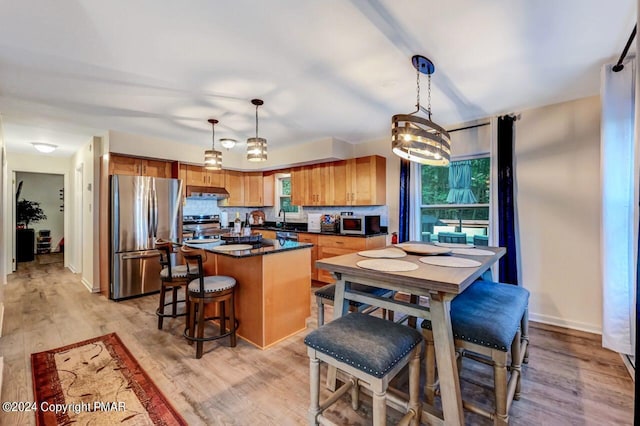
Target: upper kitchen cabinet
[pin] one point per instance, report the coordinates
(319, 185)
(134, 166)
(234, 184)
(299, 186)
(359, 181)
(199, 176)
(268, 188)
(253, 189)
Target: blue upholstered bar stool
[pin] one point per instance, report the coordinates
(173, 277)
(488, 319)
(452, 237)
(204, 290)
(327, 294)
(372, 351)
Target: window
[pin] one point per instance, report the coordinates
(283, 197)
(454, 202)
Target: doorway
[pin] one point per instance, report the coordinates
(39, 218)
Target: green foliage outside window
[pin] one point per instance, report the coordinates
(285, 196)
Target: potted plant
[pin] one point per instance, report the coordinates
(29, 212)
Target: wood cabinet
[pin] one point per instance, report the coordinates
(360, 181)
(354, 182)
(267, 233)
(334, 245)
(313, 239)
(199, 176)
(253, 189)
(268, 189)
(299, 186)
(234, 184)
(134, 166)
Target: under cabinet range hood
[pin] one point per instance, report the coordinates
(208, 192)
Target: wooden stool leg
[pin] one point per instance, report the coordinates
(200, 327)
(414, 386)
(223, 319)
(355, 394)
(500, 387)
(379, 408)
(192, 320)
(430, 367)
(174, 302)
(320, 311)
(515, 363)
(161, 306)
(314, 380)
(524, 327)
(232, 319)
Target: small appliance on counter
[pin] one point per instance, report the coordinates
(360, 225)
(313, 222)
(224, 219)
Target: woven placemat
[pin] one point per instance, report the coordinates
(450, 261)
(387, 265)
(473, 252)
(423, 248)
(386, 252)
(454, 245)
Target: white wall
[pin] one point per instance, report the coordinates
(34, 164)
(557, 177)
(44, 188)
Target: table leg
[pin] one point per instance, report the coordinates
(440, 305)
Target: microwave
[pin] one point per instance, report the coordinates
(360, 225)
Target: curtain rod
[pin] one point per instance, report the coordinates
(618, 67)
(468, 127)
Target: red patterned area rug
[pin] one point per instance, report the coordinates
(97, 382)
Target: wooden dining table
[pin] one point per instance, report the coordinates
(440, 284)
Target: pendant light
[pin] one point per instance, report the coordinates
(257, 147)
(213, 158)
(416, 138)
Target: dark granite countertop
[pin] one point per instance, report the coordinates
(292, 227)
(268, 247)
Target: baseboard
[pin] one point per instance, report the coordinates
(630, 367)
(72, 268)
(87, 284)
(1, 322)
(560, 322)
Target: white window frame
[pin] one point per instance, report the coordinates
(418, 198)
(278, 190)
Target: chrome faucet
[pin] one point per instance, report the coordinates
(284, 217)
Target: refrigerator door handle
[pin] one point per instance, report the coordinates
(155, 213)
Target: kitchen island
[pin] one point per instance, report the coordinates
(273, 287)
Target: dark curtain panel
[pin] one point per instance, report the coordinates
(506, 201)
(405, 200)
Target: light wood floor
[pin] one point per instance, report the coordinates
(570, 379)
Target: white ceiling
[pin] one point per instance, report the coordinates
(332, 68)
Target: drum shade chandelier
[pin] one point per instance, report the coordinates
(213, 158)
(416, 138)
(257, 147)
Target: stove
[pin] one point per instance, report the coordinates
(201, 226)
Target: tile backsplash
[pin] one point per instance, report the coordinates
(209, 207)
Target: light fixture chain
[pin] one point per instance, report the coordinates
(429, 97)
(213, 136)
(417, 89)
(256, 121)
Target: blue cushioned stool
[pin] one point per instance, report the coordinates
(326, 296)
(487, 319)
(372, 351)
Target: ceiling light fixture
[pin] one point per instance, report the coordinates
(213, 158)
(44, 147)
(228, 143)
(416, 138)
(257, 147)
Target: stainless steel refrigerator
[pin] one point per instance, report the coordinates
(142, 209)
